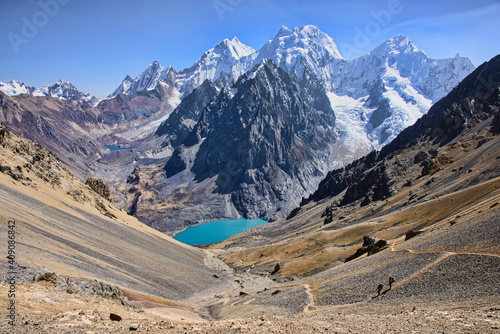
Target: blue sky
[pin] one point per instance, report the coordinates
(96, 43)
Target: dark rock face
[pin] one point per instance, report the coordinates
(183, 119)
(338, 180)
(377, 100)
(175, 164)
(261, 137)
(374, 185)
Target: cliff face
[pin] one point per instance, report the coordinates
(265, 143)
(183, 119)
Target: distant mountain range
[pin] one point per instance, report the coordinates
(375, 96)
(265, 126)
(59, 90)
(248, 133)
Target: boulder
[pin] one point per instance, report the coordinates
(412, 234)
(277, 268)
(370, 245)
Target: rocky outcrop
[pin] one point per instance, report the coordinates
(101, 188)
(370, 246)
(183, 119)
(412, 234)
(34, 160)
(375, 184)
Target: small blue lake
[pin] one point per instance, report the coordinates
(216, 231)
(113, 148)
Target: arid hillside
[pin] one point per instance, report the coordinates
(66, 227)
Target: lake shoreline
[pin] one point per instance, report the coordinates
(216, 231)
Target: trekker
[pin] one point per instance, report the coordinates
(391, 280)
(379, 289)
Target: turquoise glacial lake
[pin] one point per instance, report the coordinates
(216, 231)
(113, 148)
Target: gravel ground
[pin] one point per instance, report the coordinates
(485, 320)
(361, 284)
(476, 234)
(458, 277)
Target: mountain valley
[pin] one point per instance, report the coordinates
(383, 166)
(167, 181)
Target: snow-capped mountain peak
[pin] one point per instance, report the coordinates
(56, 90)
(398, 45)
(15, 87)
(284, 31)
(147, 80)
(59, 90)
(235, 48)
(315, 36)
(64, 91)
(220, 62)
(213, 63)
(302, 46)
(302, 40)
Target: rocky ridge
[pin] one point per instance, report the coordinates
(273, 127)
